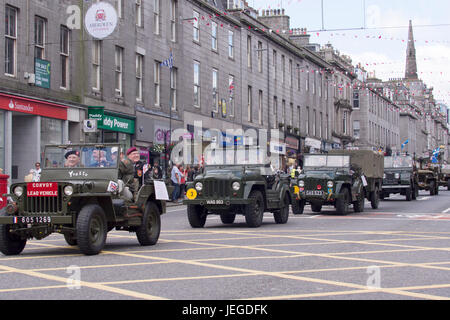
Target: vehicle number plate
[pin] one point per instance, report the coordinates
(314, 193)
(218, 202)
(33, 220)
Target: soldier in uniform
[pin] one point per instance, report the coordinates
(127, 170)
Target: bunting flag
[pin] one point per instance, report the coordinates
(168, 62)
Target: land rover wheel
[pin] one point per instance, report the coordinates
(91, 229)
(282, 216)
(10, 244)
(342, 203)
(316, 207)
(227, 218)
(375, 198)
(409, 194)
(254, 212)
(70, 239)
(197, 216)
(448, 185)
(148, 232)
(358, 205)
(298, 206)
(415, 193)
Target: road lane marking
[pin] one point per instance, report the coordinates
(446, 211)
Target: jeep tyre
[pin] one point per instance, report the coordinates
(70, 239)
(342, 203)
(358, 205)
(254, 213)
(415, 193)
(409, 194)
(432, 188)
(10, 245)
(227, 218)
(448, 185)
(282, 216)
(375, 198)
(298, 206)
(196, 216)
(91, 229)
(316, 208)
(148, 232)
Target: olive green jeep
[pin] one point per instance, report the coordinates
(80, 196)
(228, 190)
(428, 177)
(444, 176)
(339, 179)
(400, 176)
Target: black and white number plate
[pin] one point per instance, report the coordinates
(314, 193)
(33, 220)
(216, 202)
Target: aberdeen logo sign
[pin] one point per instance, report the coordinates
(101, 20)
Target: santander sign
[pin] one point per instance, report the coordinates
(101, 20)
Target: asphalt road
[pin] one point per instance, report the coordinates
(400, 251)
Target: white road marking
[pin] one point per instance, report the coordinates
(446, 211)
(425, 198)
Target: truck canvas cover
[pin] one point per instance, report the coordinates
(371, 162)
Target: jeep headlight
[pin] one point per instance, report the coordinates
(68, 190)
(199, 186)
(236, 186)
(301, 183)
(397, 176)
(330, 184)
(18, 191)
(384, 176)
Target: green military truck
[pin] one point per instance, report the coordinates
(80, 196)
(444, 176)
(228, 190)
(428, 176)
(340, 178)
(400, 177)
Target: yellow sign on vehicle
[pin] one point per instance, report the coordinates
(191, 194)
(296, 190)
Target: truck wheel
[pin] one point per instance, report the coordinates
(432, 188)
(70, 239)
(148, 232)
(316, 208)
(298, 206)
(409, 194)
(448, 185)
(91, 229)
(197, 216)
(10, 245)
(375, 198)
(358, 206)
(254, 213)
(282, 217)
(415, 192)
(227, 218)
(343, 202)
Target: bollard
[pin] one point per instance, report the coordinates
(3, 190)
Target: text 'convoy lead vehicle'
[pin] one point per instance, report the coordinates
(80, 196)
(341, 178)
(400, 176)
(227, 190)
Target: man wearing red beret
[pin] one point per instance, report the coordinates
(127, 170)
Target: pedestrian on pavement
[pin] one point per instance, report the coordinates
(176, 181)
(29, 177)
(37, 172)
(183, 181)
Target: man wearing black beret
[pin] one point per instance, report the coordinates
(72, 159)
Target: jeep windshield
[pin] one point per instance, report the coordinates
(66, 157)
(398, 162)
(325, 161)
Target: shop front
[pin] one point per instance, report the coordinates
(26, 126)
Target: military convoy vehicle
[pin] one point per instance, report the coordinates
(80, 196)
(228, 190)
(444, 176)
(400, 177)
(428, 177)
(340, 178)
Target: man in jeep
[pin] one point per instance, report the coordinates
(72, 159)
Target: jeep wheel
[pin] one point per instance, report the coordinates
(70, 239)
(358, 205)
(197, 216)
(415, 193)
(148, 232)
(10, 245)
(298, 206)
(282, 216)
(342, 203)
(316, 208)
(448, 185)
(227, 218)
(375, 198)
(432, 188)
(91, 229)
(254, 213)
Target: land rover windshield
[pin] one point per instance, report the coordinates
(398, 162)
(81, 157)
(324, 161)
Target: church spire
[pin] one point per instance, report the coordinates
(411, 61)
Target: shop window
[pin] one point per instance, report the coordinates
(51, 133)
